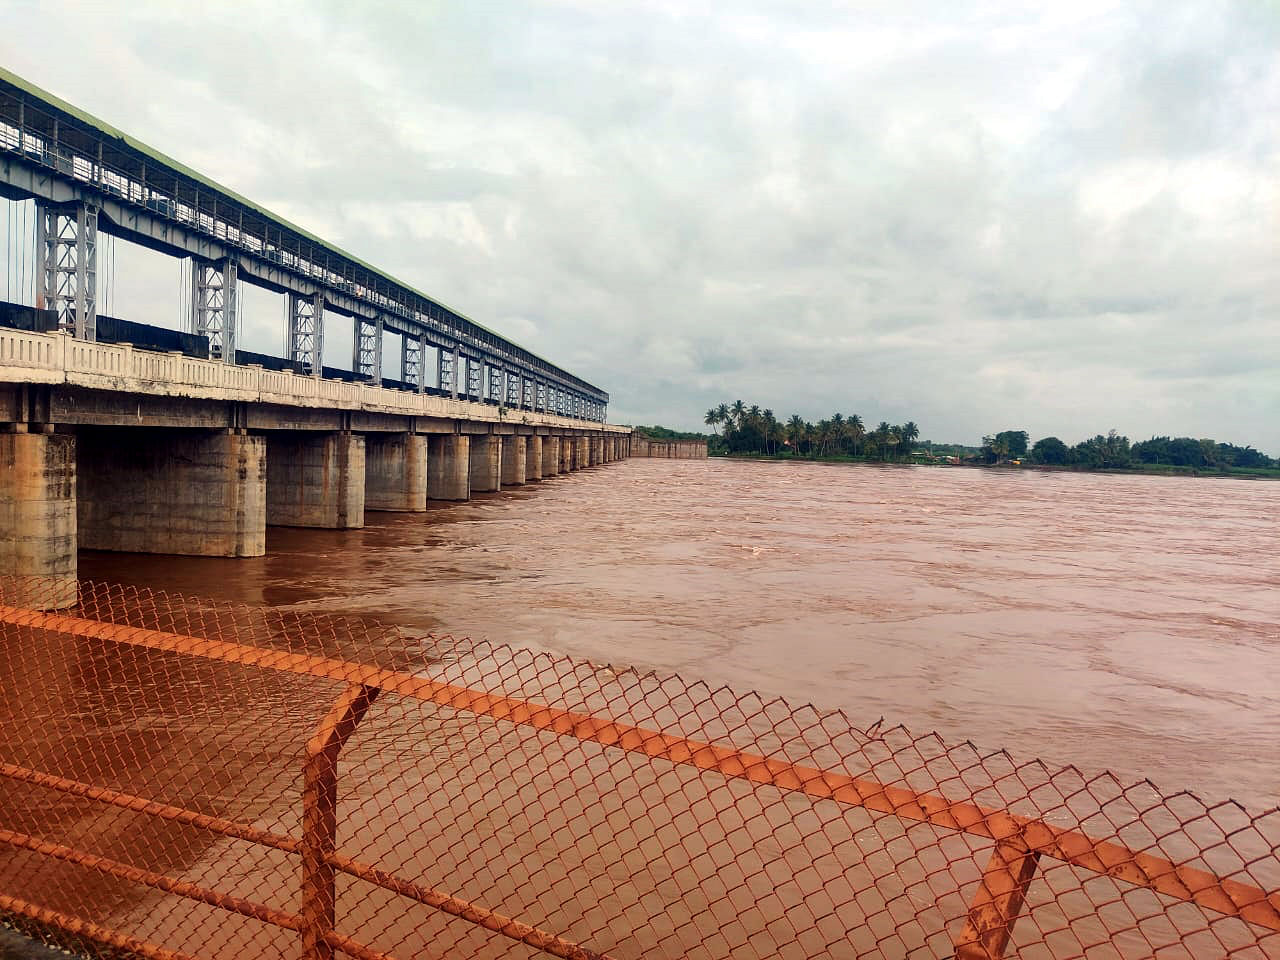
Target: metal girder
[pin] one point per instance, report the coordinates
(411, 349)
(306, 332)
(214, 305)
(444, 372)
(474, 375)
(495, 384)
(67, 245)
(366, 360)
(169, 208)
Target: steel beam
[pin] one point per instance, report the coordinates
(214, 304)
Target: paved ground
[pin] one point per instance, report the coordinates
(14, 946)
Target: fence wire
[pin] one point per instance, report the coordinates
(187, 779)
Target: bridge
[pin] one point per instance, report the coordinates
(121, 436)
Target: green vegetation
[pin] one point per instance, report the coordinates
(750, 431)
(1114, 452)
(666, 433)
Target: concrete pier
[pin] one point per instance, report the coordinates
(566, 454)
(395, 469)
(448, 467)
(533, 459)
(486, 464)
(550, 456)
(38, 514)
(582, 455)
(315, 480)
(191, 492)
(514, 453)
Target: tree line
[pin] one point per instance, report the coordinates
(738, 428)
(1114, 451)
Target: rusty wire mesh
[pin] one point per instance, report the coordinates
(163, 772)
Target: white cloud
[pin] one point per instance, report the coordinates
(976, 216)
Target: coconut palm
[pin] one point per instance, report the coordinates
(853, 426)
(910, 433)
(795, 431)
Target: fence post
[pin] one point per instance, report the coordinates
(320, 817)
(998, 902)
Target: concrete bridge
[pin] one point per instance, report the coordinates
(109, 447)
(197, 449)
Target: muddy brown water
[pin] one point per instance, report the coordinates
(1109, 621)
(1129, 623)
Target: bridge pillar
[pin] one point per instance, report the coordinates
(315, 480)
(448, 467)
(161, 490)
(514, 454)
(582, 452)
(486, 464)
(550, 456)
(395, 471)
(533, 459)
(38, 515)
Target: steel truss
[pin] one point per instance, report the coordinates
(67, 244)
(367, 349)
(214, 299)
(306, 332)
(411, 349)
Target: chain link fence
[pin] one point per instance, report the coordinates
(187, 779)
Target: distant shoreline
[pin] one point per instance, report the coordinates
(1153, 470)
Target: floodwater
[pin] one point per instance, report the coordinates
(1131, 623)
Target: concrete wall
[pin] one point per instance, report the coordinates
(192, 492)
(448, 467)
(533, 459)
(395, 470)
(514, 451)
(486, 464)
(673, 449)
(38, 516)
(315, 480)
(550, 456)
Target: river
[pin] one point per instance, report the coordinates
(1124, 622)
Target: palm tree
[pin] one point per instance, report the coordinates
(910, 434)
(739, 410)
(795, 432)
(837, 429)
(853, 424)
(712, 419)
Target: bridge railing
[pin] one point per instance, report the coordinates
(181, 778)
(58, 357)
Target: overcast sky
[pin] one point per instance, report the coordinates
(1060, 217)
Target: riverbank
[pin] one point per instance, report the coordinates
(1155, 470)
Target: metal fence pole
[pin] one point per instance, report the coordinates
(998, 902)
(320, 818)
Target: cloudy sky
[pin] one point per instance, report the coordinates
(1057, 217)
